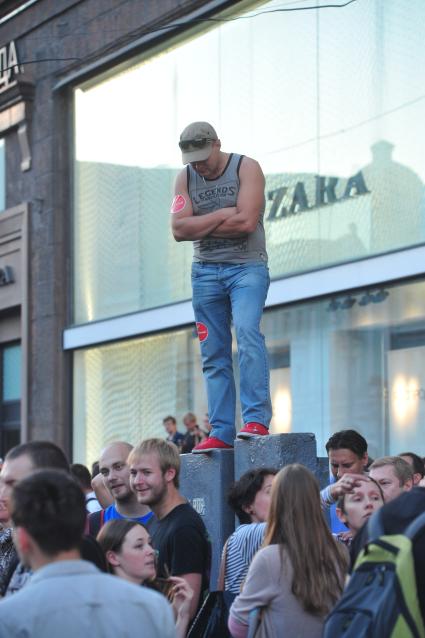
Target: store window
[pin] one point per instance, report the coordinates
(352, 361)
(329, 101)
(10, 399)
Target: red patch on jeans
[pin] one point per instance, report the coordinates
(179, 202)
(202, 331)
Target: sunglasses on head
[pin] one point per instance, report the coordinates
(201, 142)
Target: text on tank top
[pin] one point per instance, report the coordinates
(209, 195)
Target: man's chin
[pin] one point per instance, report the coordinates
(121, 497)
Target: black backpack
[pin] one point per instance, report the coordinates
(381, 598)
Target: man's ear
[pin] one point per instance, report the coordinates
(342, 517)
(408, 485)
(170, 474)
(22, 540)
(365, 459)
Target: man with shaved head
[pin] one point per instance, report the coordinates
(115, 474)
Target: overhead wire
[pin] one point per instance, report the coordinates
(176, 25)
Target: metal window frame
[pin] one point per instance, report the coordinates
(108, 62)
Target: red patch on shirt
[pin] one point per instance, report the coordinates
(179, 202)
(202, 331)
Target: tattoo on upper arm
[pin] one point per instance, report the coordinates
(179, 202)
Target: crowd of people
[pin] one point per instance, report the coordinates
(194, 433)
(119, 549)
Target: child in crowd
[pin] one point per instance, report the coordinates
(356, 507)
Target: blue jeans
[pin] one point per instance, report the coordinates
(223, 293)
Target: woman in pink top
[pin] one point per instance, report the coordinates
(298, 575)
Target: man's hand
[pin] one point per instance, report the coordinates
(346, 484)
(194, 582)
(103, 495)
(181, 596)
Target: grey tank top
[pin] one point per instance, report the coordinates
(208, 195)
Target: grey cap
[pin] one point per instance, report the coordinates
(196, 142)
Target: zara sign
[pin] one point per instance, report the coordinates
(286, 202)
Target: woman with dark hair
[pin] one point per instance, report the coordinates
(129, 554)
(298, 574)
(249, 497)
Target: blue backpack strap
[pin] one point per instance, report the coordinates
(415, 526)
(375, 527)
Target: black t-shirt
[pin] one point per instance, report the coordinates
(396, 516)
(182, 543)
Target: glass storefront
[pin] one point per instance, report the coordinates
(356, 360)
(330, 102)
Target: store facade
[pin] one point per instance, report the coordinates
(98, 341)
(333, 115)
(14, 272)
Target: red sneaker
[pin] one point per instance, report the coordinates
(210, 444)
(251, 430)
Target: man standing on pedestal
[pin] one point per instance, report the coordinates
(219, 205)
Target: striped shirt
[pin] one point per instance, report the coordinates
(241, 548)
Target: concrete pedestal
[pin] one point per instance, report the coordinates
(276, 451)
(204, 481)
(322, 471)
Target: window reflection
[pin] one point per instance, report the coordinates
(331, 112)
(361, 366)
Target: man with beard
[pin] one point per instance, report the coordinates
(179, 536)
(115, 472)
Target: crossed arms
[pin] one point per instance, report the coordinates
(235, 221)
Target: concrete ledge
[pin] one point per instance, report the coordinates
(322, 471)
(206, 478)
(276, 450)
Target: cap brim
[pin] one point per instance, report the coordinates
(199, 155)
